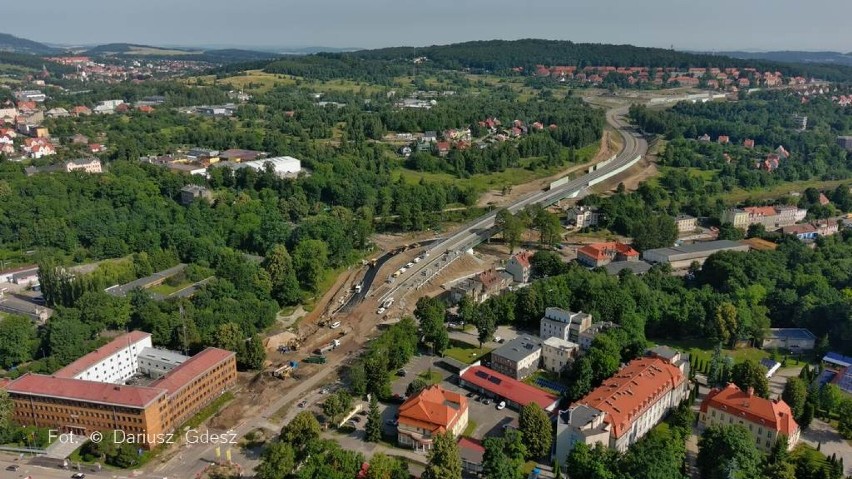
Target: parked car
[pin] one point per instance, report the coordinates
(486, 401)
(380, 311)
(303, 404)
(13, 467)
(401, 372)
(502, 405)
(78, 475)
(335, 325)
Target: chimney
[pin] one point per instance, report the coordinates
(750, 391)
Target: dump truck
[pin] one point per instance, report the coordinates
(315, 360)
(328, 347)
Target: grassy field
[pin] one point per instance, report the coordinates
(492, 181)
(738, 195)
(166, 289)
(465, 353)
(260, 81)
(703, 350)
(431, 377)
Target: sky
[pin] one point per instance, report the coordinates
(683, 24)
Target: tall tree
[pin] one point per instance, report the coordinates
(750, 374)
(374, 421)
(496, 464)
(444, 460)
(310, 259)
(282, 272)
(795, 394)
(537, 430)
(277, 461)
(511, 227)
(301, 431)
(383, 466)
(17, 335)
(725, 451)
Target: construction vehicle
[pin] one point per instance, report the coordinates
(285, 370)
(328, 347)
(315, 360)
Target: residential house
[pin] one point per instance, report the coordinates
(30, 95)
(600, 254)
(429, 137)
(519, 266)
(517, 358)
(81, 110)
(563, 324)
(38, 147)
(443, 148)
(845, 142)
(56, 113)
(765, 419)
(96, 148)
(431, 412)
(556, 353)
(724, 139)
(79, 139)
(86, 165)
(582, 216)
(190, 193)
(748, 143)
(823, 200)
(8, 114)
(626, 406)
(685, 223)
(481, 286)
(765, 215)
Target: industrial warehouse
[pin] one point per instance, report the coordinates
(125, 385)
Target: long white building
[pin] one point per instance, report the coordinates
(114, 362)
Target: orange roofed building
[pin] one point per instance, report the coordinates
(432, 411)
(626, 406)
(765, 419)
(601, 254)
(91, 393)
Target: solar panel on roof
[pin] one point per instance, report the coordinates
(494, 380)
(482, 374)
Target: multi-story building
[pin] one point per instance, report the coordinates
(582, 216)
(845, 142)
(481, 286)
(765, 419)
(519, 266)
(90, 394)
(563, 324)
(685, 223)
(588, 336)
(600, 254)
(556, 353)
(737, 217)
(517, 358)
(431, 412)
(626, 406)
(86, 165)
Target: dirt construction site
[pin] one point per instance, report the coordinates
(296, 339)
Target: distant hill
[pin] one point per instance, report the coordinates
(828, 58)
(508, 57)
(225, 55)
(135, 50)
(11, 43)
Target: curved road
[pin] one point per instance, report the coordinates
(481, 229)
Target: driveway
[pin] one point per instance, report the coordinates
(830, 442)
(779, 380)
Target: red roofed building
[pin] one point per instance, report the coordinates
(90, 394)
(748, 143)
(472, 453)
(81, 110)
(519, 266)
(600, 254)
(724, 139)
(765, 419)
(431, 412)
(443, 148)
(501, 387)
(626, 406)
